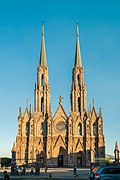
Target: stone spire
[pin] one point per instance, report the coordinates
(43, 51)
(20, 111)
(13, 148)
(26, 109)
(92, 102)
(78, 60)
(116, 151)
(100, 112)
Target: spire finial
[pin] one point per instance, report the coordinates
(92, 102)
(20, 111)
(43, 28)
(43, 51)
(27, 104)
(78, 59)
(90, 107)
(100, 111)
(77, 29)
(116, 145)
(30, 108)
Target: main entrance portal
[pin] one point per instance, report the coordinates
(60, 160)
(79, 161)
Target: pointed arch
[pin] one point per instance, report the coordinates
(78, 104)
(80, 129)
(70, 128)
(94, 129)
(42, 105)
(42, 80)
(78, 80)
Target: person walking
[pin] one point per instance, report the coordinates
(75, 170)
(6, 176)
(46, 169)
(32, 171)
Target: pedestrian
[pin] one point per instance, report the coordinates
(50, 175)
(46, 169)
(6, 176)
(32, 171)
(75, 170)
(24, 171)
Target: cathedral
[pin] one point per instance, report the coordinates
(59, 140)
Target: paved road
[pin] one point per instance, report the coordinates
(57, 173)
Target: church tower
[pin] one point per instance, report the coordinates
(85, 128)
(116, 152)
(78, 88)
(76, 148)
(42, 87)
(32, 137)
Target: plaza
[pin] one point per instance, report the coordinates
(56, 173)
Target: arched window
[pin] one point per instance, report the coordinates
(42, 105)
(70, 129)
(42, 128)
(18, 155)
(49, 129)
(94, 129)
(78, 80)
(31, 154)
(26, 154)
(31, 129)
(79, 104)
(42, 80)
(19, 129)
(27, 129)
(80, 129)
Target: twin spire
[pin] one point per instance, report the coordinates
(78, 59)
(43, 61)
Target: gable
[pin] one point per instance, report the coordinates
(60, 113)
(93, 115)
(59, 143)
(79, 146)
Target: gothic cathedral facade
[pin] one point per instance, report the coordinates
(59, 140)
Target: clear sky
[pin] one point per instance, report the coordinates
(20, 41)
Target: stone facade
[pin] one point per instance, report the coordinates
(59, 140)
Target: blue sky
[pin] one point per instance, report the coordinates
(20, 41)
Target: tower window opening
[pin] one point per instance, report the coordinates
(19, 129)
(42, 128)
(49, 129)
(42, 105)
(79, 104)
(42, 80)
(31, 129)
(94, 129)
(80, 129)
(27, 129)
(78, 80)
(70, 129)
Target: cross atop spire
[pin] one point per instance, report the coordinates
(43, 51)
(60, 99)
(78, 60)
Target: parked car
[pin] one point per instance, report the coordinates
(108, 173)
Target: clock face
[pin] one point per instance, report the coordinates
(60, 126)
